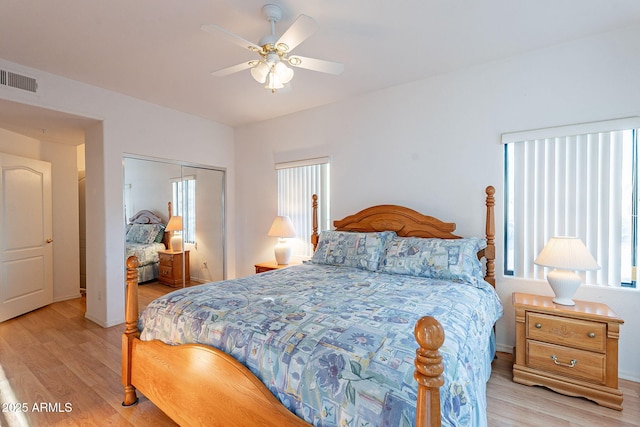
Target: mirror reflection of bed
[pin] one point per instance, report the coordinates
(149, 184)
(145, 237)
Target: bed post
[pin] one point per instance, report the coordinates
(490, 231)
(429, 367)
(131, 332)
(314, 216)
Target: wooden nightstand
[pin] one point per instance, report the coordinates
(171, 268)
(570, 349)
(272, 265)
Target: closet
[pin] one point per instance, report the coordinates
(196, 193)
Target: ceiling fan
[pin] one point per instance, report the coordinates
(271, 69)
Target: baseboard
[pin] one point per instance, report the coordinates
(629, 376)
(103, 324)
(503, 348)
(67, 297)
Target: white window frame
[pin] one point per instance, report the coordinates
(297, 182)
(579, 180)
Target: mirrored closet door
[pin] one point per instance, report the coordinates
(174, 221)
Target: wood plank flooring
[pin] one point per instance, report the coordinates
(59, 369)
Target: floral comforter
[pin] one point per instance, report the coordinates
(335, 344)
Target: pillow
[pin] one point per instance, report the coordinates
(454, 260)
(143, 233)
(351, 249)
(160, 235)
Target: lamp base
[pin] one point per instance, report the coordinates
(564, 284)
(282, 252)
(176, 244)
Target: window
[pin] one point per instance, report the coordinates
(297, 182)
(579, 181)
(184, 205)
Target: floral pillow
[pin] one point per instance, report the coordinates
(144, 233)
(455, 260)
(351, 249)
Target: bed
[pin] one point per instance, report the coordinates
(144, 237)
(329, 342)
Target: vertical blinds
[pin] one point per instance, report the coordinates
(184, 205)
(297, 182)
(567, 186)
(579, 180)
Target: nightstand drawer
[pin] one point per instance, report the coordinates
(166, 259)
(564, 331)
(566, 361)
(166, 271)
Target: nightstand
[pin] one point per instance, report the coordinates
(272, 265)
(570, 349)
(171, 268)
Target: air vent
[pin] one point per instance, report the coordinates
(18, 81)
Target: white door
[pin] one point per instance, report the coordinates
(26, 249)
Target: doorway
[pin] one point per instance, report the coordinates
(26, 257)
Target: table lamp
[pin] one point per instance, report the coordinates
(175, 224)
(566, 255)
(282, 228)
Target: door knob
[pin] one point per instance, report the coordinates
(49, 240)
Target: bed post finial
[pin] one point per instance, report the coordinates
(131, 332)
(314, 236)
(429, 334)
(490, 231)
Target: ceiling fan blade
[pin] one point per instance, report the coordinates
(316, 64)
(298, 32)
(233, 69)
(231, 37)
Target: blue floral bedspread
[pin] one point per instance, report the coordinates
(336, 344)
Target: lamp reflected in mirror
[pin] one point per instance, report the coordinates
(175, 224)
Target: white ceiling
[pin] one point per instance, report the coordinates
(155, 50)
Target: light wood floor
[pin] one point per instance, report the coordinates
(56, 358)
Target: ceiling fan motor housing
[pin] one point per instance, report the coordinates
(272, 12)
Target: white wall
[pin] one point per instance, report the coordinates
(64, 188)
(433, 145)
(126, 125)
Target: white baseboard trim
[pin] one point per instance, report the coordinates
(629, 376)
(67, 297)
(103, 324)
(503, 348)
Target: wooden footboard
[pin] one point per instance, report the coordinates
(200, 385)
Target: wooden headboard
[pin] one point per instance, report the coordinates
(409, 223)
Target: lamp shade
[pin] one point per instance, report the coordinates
(175, 224)
(282, 227)
(566, 253)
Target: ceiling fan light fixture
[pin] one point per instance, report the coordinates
(260, 71)
(272, 69)
(284, 73)
(273, 81)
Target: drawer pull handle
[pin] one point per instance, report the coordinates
(538, 325)
(568, 365)
(591, 334)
